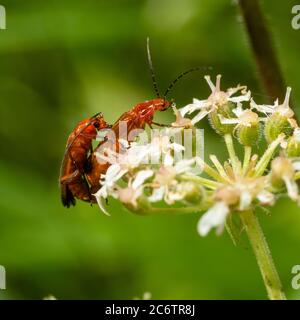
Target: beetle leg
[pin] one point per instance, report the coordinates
(159, 124)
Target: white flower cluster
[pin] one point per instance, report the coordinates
(147, 167)
(221, 189)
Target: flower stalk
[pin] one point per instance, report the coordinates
(267, 156)
(230, 147)
(247, 157)
(263, 256)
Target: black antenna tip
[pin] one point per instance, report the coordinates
(152, 69)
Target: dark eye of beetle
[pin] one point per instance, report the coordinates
(97, 125)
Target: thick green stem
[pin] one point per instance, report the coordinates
(263, 256)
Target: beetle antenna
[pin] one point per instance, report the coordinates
(172, 84)
(152, 69)
(97, 115)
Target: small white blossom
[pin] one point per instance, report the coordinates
(284, 169)
(165, 184)
(134, 190)
(296, 134)
(283, 109)
(296, 164)
(215, 100)
(215, 217)
(181, 122)
(245, 118)
(266, 198)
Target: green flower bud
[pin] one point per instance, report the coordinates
(225, 111)
(293, 147)
(142, 206)
(249, 128)
(281, 121)
(276, 125)
(193, 193)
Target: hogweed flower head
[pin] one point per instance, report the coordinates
(218, 103)
(146, 175)
(165, 175)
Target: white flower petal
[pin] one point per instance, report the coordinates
(177, 147)
(184, 165)
(297, 134)
(172, 196)
(292, 188)
(141, 177)
(266, 198)
(263, 108)
(187, 109)
(238, 111)
(199, 103)
(202, 114)
(210, 83)
(241, 98)
(224, 120)
(114, 173)
(100, 200)
(296, 165)
(192, 107)
(168, 159)
(215, 217)
(124, 143)
(245, 200)
(157, 195)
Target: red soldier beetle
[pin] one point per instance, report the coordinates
(73, 183)
(135, 118)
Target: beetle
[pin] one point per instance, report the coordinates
(75, 163)
(136, 118)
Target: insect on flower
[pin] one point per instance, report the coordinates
(136, 118)
(73, 183)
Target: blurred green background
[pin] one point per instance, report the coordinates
(62, 61)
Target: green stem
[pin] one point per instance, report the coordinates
(179, 211)
(247, 157)
(297, 176)
(231, 152)
(267, 156)
(211, 172)
(219, 166)
(213, 185)
(263, 256)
